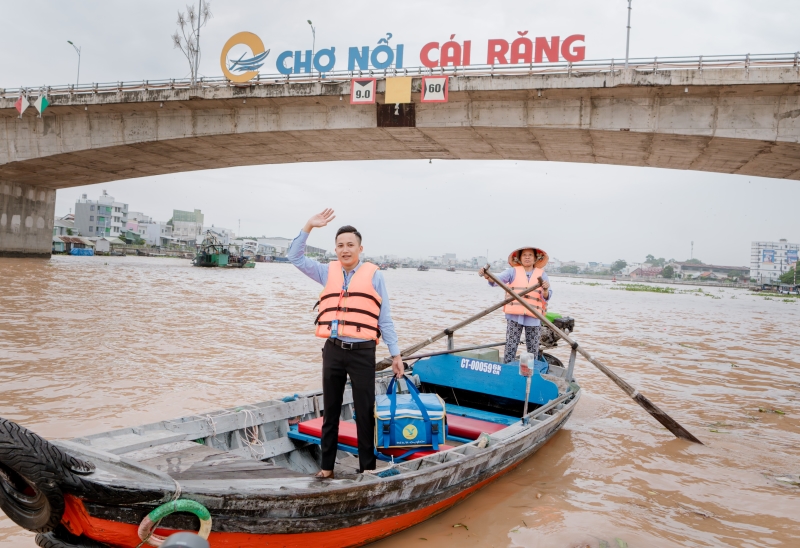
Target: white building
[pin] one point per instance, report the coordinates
(768, 260)
(101, 217)
(156, 233)
(281, 245)
(187, 225)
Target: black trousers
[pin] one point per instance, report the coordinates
(337, 364)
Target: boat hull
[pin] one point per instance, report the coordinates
(345, 523)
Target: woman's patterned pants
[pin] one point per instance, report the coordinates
(533, 334)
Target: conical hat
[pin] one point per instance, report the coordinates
(543, 260)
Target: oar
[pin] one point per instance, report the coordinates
(669, 423)
(386, 362)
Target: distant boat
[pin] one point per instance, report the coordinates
(451, 269)
(384, 266)
(213, 253)
(423, 268)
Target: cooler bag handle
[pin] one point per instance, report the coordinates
(412, 389)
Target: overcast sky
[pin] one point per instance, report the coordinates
(577, 211)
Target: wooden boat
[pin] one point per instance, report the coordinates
(423, 268)
(251, 466)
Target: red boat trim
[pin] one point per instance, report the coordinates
(124, 535)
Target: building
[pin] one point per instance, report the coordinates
(62, 227)
(139, 216)
(281, 245)
(768, 260)
(643, 272)
(708, 271)
(158, 234)
(101, 217)
(186, 225)
(225, 235)
(448, 259)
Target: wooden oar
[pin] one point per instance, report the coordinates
(669, 423)
(386, 362)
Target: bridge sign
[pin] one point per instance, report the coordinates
(362, 91)
(434, 89)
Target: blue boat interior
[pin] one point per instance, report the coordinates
(480, 396)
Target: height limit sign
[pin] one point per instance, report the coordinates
(434, 89)
(362, 91)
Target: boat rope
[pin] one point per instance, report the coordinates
(252, 437)
(250, 440)
(175, 498)
(151, 520)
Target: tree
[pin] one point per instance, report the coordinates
(693, 261)
(570, 269)
(69, 232)
(618, 266)
(668, 272)
(189, 41)
(789, 277)
(650, 259)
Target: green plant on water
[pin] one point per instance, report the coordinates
(788, 300)
(769, 410)
(643, 287)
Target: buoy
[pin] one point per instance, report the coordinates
(183, 505)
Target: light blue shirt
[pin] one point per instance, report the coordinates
(507, 277)
(319, 273)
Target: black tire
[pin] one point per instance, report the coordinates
(61, 538)
(31, 471)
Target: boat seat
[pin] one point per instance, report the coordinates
(471, 429)
(349, 438)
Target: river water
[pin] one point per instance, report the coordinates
(93, 343)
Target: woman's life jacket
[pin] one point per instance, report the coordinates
(534, 298)
(352, 312)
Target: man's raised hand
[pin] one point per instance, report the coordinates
(319, 220)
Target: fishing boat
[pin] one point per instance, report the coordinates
(423, 268)
(450, 269)
(246, 472)
(214, 252)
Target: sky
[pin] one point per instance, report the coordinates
(416, 208)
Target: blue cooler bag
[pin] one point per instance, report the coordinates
(408, 420)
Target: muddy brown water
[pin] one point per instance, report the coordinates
(89, 344)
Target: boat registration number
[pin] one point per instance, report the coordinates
(482, 367)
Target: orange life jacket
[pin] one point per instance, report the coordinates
(356, 309)
(534, 298)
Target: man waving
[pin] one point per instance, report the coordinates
(354, 314)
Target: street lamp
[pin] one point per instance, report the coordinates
(78, 51)
(628, 41)
(313, 42)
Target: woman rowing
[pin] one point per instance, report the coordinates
(527, 268)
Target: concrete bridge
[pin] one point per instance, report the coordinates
(727, 120)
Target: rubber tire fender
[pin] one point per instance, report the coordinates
(32, 472)
(61, 538)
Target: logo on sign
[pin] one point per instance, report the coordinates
(244, 67)
(410, 432)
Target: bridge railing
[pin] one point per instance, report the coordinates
(655, 64)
